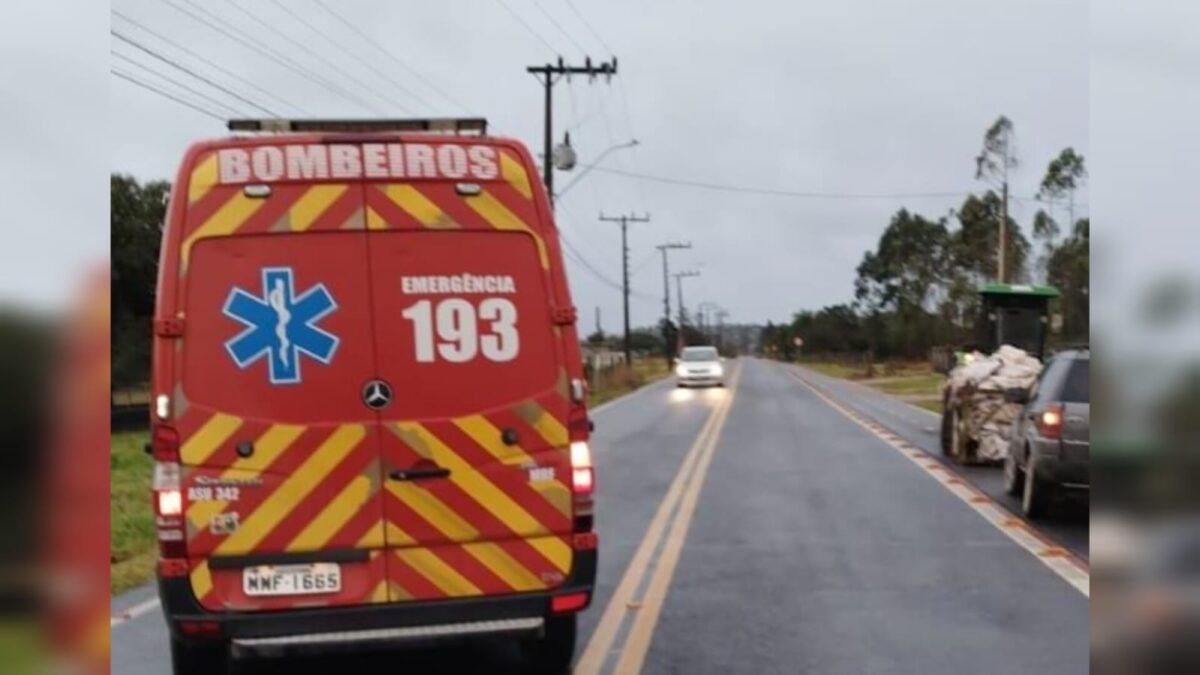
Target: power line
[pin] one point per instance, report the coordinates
(556, 24)
(307, 49)
(137, 45)
(528, 28)
(229, 110)
(588, 25)
(391, 55)
(144, 85)
(340, 47)
(208, 62)
(248, 42)
(773, 192)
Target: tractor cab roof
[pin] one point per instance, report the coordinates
(1019, 289)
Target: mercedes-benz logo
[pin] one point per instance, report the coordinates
(377, 394)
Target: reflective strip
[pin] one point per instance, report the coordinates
(226, 220)
(433, 511)
(333, 517)
(397, 536)
(203, 177)
(201, 578)
(505, 566)
(479, 488)
(419, 207)
(202, 444)
(438, 572)
(514, 174)
(267, 448)
(315, 201)
(412, 632)
(551, 430)
(500, 217)
(293, 490)
(487, 436)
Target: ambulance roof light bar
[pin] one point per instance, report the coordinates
(475, 125)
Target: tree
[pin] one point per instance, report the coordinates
(1068, 268)
(1064, 175)
(906, 265)
(137, 212)
(972, 246)
(993, 163)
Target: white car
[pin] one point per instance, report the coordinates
(699, 366)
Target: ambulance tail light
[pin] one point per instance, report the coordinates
(164, 444)
(167, 489)
(583, 484)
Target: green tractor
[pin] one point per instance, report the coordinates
(1017, 315)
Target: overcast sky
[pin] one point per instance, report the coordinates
(838, 97)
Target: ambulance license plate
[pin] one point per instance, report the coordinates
(292, 579)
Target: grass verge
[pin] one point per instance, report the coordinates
(133, 539)
(619, 381)
(915, 383)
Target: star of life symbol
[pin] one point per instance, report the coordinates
(280, 325)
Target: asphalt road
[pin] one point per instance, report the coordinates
(758, 529)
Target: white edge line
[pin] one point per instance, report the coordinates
(133, 612)
(1043, 550)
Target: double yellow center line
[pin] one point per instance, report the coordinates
(666, 534)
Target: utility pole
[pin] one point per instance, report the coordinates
(679, 277)
(624, 221)
(599, 330)
(668, 348)
(548, 75)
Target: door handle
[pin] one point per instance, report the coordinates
(419, 473)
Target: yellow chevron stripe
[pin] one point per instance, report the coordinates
(375, 221)
(203, 177)
(226, 220)
(434, 511)
(477, 486)
(293, 490)
(557, 493)
(498, 215)
(373, 538)
(505, 566)
(555, 550)
(321, 529)
(438, 572)
(397, 536)
(512, 172)
(208, 438)
(420, 207)
(551, 430)
(398, 593)
(312, 204)
(201, 579)
(487, 436)
(267, 448)
(380, 594)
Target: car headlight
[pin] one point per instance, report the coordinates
(718, 371)
(680, 370)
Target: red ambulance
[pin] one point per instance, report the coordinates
(369, 423)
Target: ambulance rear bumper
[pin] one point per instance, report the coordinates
(288, 631)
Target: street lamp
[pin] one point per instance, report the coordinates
(594, 164)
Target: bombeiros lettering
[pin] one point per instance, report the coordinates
(342, 161)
